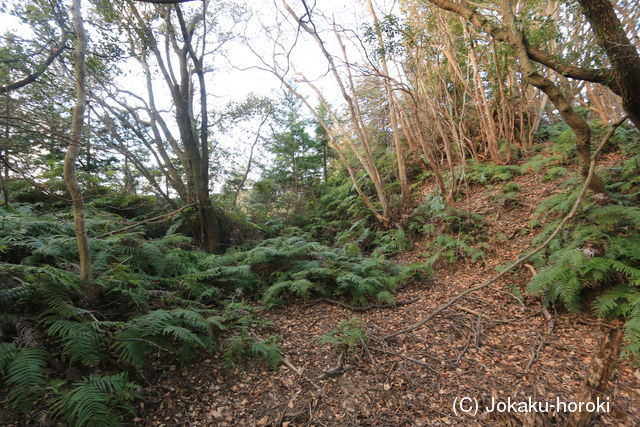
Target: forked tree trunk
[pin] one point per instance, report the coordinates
(487, 124)
(348, 92)
(70, 178)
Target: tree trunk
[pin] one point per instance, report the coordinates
(4, 168)
(623, 55)
(393, 117)
(366, 158)
(557, 98)
(74, 148)
(603, 366)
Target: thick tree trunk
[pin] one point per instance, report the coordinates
(623, 55)
(74, 148)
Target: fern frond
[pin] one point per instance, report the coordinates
(24, 374)
(92, 401)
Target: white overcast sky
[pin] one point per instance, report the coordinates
(229, 83)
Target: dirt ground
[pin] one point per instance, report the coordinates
(493, 344)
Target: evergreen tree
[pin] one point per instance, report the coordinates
(295, 174)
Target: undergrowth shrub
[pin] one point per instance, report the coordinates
(507, 197)
(156, 297)
(485, 173)
(295, 266)
(454, 233)
(347, 336)
(539, 162)
(243, 346)
(96, 399)
(433, 215)
(564, 146)
(595, 260)
(554, 173)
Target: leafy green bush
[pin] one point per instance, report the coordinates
(24, 371)
(555, 173)
(551, 132)
(453, 232)
(449, 249)
(565, 146)
(507, 196)
(432, 215)
(242, 346)
(539, 162)
(390, 242)
(96, 399)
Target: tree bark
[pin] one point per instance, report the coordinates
(365, 158)
(4, 169)
(247, 170)
(622, 54)
(70, 157)
(559, 100)
(515, 38)
(603, 366)
(196, 146)
(393, 116)
(189, 174)
(55, 52)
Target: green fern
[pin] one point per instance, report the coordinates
(347, 335)
(182, 329)
(96, 400)
(539, 162)
(598, 256)
(81, 341)
(449, 249)
(244, 346)
(484, 173)
(23, 371)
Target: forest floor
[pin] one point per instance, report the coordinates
(492, 344)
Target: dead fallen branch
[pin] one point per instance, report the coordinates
(537, 345)
(146, 221)
(520, 261)
(286, 362)
(429, 366)
(551, 322)
(299, 372)
(474, 312)
(336, 370)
